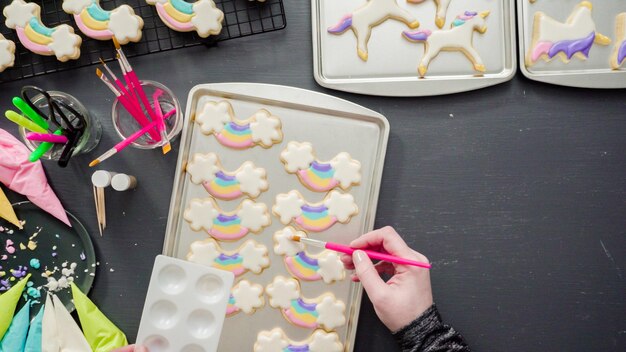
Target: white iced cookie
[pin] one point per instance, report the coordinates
(276, 340)
(218, 118)
(324, 266)
(205, 214)
(245, 297)
(458, 38)
(95, 22)
(619, 52)
(251, 256)
(442, 10)
(316, 217)
(575, 37)
(7, 53)
(207, 170)
(320, 176)
(324, 312)
(201, 16)
(60, 41)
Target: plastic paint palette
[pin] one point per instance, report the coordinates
(185, 307)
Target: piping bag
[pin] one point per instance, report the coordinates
(27, 178)
(49, 329)
(8, 303)
(69, 335)
(15, 337)
(7, 212)
(33, 341)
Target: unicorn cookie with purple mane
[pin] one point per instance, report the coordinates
(619, 53)
(458, 38)
(276, 340)
(575, 37)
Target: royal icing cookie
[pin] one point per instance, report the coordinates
(277, 341)
(251, 256)
(442, 10)
(325, 266)
(7, 53)
(324, 312)
(207, 170)
(575, 37)
(316, 217)
(368, 16)
(201, 16)
(205, 214)
(458, 38)
(98, 23)
(60, 41)
(320, 176)
(245, 297)
(619, 53)
(218, 118)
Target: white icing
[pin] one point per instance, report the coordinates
(282, 291)
(283, 245)
(297, 156)
(125, 25)
(288, 206)
(579, 25)
(322, 341)
(212, 116)
(7, 53)
(70, 336)
(248, 297)
(331, 268)
(254, 256)
(75, 6)
(207, 19)
(331, 312)
(203, 167)
(200, 214)
(347, 170)
(265, 128)
(341, 205)
(251, 180)
(271, 341)
(19, 13)
(65, 44)
(253, 216)
(49, 328)
(203, 252)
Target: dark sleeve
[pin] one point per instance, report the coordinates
(428, 333)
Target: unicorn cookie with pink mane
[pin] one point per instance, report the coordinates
(251, 256)
(458, 38)
(201, 16)
(95, 22)
(619, 53)
(277, 341)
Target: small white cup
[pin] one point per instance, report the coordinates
(123, 182)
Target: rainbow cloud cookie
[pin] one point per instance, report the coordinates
(277, 341)
(201, 16)
(218, 118)
(245, 297)
(619, 53)
(319, 176)
(316, 217)
(575, 37)
(251, 256)
(324, 312)
(325, 266)
(98, 23)
(60, 41)
(206, 169)
(7, 53)
(205, 214)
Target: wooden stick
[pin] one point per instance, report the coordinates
(97, 204)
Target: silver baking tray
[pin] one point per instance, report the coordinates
(593, 72)
(332, 125)
(392, 65)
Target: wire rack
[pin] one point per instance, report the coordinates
(241, 18)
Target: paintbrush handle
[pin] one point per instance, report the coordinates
(376, 255)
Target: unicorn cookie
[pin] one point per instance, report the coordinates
(458, 38)
(575, 37)
(206, 169)
(201, 16)
(218, 118)
(619, 53)
(98, 23)
(442, 10)
(325, 266)
(7, 53)
(205, 214)
(316, 217)
(60, 41)
(368, 16)
(245, 297)
(319, 176)
(277, 341)
(325, 311)
(251, 256)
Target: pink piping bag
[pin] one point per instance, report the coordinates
(27, 178)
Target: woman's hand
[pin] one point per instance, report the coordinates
(131, 348)
(407, 294)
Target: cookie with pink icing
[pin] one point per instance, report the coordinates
(206, 169)
(201, 16)
(95, 22)
(250, 256)
(619, 52)
(325, 266)
(325, 312)
(320, 176)
(218, 118)
(316, 217)
(245, 297)
(573, 38)
(205, 214)
(276, 340)
(7, 53)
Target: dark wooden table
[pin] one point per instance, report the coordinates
(517, 193)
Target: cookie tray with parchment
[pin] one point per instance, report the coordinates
(332, 126)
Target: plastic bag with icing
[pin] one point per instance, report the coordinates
(70, 336)
(15, 338)
(33, 341)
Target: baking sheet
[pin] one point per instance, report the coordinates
(595, 72)
(332, 125)
(391, 68)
